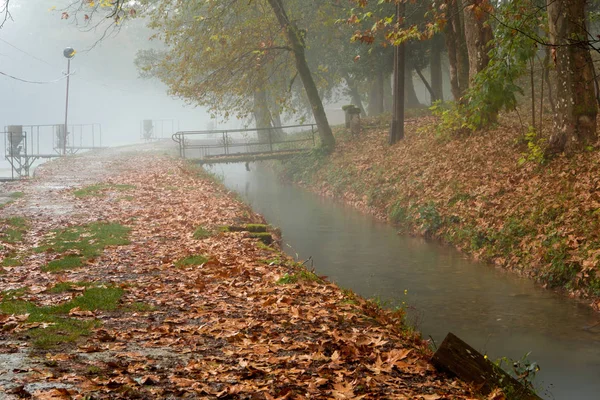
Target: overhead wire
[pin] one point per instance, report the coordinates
(24, 52)
(56, 80)
(36, 82)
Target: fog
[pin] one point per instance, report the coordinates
(104, 85)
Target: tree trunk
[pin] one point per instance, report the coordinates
(427, 85)
(354, 94)
(576, 107)
(262, 119)
(452, 57)
(462, 55)
(478, 34)
(435, 68)
(410, 95)
(532, 83)
(276, 121)
(296, 42)
(397, 126)
(546, 77)
(457, 51)
(262, 115)
(388, 92)
(376, 94)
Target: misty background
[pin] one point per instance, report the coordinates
(104, 85)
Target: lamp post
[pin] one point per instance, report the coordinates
(69, 53)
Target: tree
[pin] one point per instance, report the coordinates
(214, 49)
(576, 107)
(458, 56)
(397, 126)
(435, 68)
(478, 34)
(297, 44)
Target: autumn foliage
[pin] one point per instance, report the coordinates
(484, 193)
(161, 308)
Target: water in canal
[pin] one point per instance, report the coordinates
(497, 313)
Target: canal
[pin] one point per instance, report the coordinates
(499, 314)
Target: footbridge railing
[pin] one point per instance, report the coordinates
(244, 145)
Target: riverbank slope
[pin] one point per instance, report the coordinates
(120, 279)
(478, 193)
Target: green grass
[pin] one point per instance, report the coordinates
(10, 262)
(398, 213)
(257, 227)
(138, 307)
(93, 298)
(263, 246)
(13, 229)
(264, 237)
(202, 233)
(63, 287)
(93, 370)
(349, 297)
(63, 264)
(62, 329)
(301, 275)
(254, 228)
(100, 189)
(191, 260)
(88, 241)
(12, 294)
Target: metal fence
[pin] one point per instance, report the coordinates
(227, 144)
(156, 129)
(25, 144)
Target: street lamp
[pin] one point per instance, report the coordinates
(69, 53)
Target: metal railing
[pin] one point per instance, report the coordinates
(156, 129)
(221, 143)
(34, 142)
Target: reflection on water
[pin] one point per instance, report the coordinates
(497, 313)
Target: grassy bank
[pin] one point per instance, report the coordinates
(488, 194)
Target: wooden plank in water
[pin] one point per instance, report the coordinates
(458, 358)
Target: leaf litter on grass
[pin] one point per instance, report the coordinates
(225, 324)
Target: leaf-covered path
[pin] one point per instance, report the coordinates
(119, 280)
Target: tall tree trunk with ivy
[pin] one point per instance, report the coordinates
(296, 42)
(576, 107)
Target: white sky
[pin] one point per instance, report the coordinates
(104, 88)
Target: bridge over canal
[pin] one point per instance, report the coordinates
(245, 145)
